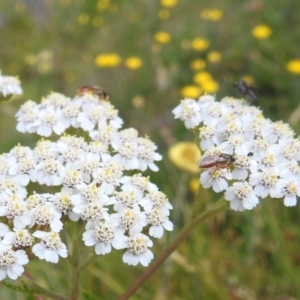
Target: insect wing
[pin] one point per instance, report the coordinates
(93, 90)
(246, 89)
(101, 93)
(224, 158)
(208, 161)
(84, 89)
(253, 93)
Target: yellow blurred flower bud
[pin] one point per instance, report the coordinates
(185, 156)
(162, 37)
(261, 32)
(190, 91)
(200, 44)
(133, 62)
(293, 66)
(109, 60)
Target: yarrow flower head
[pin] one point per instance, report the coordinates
(97, 181)
(138, 251)
(9, 85)
(11, 262)
(246, 156)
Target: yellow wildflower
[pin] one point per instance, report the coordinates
(293, 66)
(216, 15)
(103, 4)
(43, 61)
(201, 77)
(249, 79)
(168, 3)
(194, 185)
(213, 15)
(109, 60)
(45, 67)
(162, 37)
(164, 14)
(198, 64)
(190, 91)
(210, 86)
(83, 19)
(133, 62)
(200, 44)
(185, 156)
(214, 56)
(138, 101)
(206, 82)
(204, 14)
(261, 32)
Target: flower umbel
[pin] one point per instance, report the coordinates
(98, 181)
(138, 251)
(11, 263)
(264, 155)
(9, 85)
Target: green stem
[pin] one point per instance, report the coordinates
(74, 271)
(86, 263)
(202, 196)
(34, 288)
(182, 235)
(197, 138)
(200, 202)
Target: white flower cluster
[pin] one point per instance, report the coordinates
(95, 183)
(246, 155)
(10, 85)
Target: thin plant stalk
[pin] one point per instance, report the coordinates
(74, 270)
(38, 290)
(221, 205)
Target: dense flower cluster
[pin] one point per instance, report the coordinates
(264, 155)
(95, 183)
(9, 85)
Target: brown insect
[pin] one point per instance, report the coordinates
(94, 90)
(221, 161)
(246, 89)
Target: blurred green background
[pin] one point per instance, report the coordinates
(148, 55)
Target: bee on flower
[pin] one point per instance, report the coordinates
(96, 178)
(245, 155)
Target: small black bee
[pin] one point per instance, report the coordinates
(246, 89)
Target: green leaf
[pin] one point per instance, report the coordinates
(18, 288)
